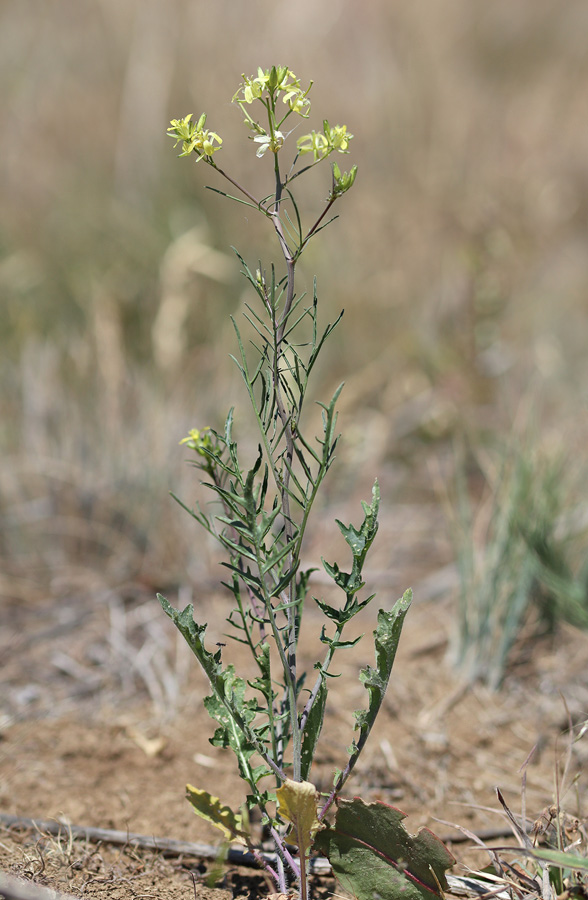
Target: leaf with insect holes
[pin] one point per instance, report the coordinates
(373, 855)
(227, 705)
(386, 640)
(227, 735)
(312, 729)
(212, 810)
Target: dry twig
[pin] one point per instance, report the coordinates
(16, 889)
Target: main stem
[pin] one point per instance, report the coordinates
(283, 479)
(279, 329)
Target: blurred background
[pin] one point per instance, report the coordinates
(460, 259)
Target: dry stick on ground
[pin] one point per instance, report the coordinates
(15, 889)
(127, 838)
(166, 846)
(319, 866)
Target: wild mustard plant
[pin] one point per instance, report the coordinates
(273, 722)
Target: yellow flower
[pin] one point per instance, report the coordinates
(252, 88)
(277, 80)
(206, 143)
(194, 136)
(338, 138)
(314, 143)
(298, 102)
(199, 440)
(267, 142)
(320, 145)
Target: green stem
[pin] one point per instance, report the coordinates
(322, 673)
(290, 682)
(239, 187)
(283, 481)
(315, 226)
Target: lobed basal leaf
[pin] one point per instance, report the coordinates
(373, 855)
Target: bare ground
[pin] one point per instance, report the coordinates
(102, 725)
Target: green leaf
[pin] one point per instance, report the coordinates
(230, 734)
(386, 640)
(239, 549)
(302, 582)
(200, 517)
(373, 855)
(559, 858)
(247, 576)
(232, 197)
(336, 644)
(356, 539)
(239, 526)
(263, 682)
(274, 558)
(227, 705)
(359, 541)
(233, 500)
(337, 615)
(350, 582)
(312, 730)
(351, 608)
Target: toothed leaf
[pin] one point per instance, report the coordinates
(375, 680)
(373, 855)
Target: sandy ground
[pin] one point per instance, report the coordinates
(88, 741)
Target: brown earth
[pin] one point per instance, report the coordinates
(102, 725)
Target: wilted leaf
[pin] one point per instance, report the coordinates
(221, 816)
(298, 805)
(151, 747)
(373, 855)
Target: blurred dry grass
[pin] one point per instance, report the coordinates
(460, 257)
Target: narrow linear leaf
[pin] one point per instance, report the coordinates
(236, 199)
(559, 858)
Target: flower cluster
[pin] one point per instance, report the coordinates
(195, 137)
(267, 87)
(205, 442)
(271, 82)
(321, 144)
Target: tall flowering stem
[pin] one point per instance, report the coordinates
(262, 511)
